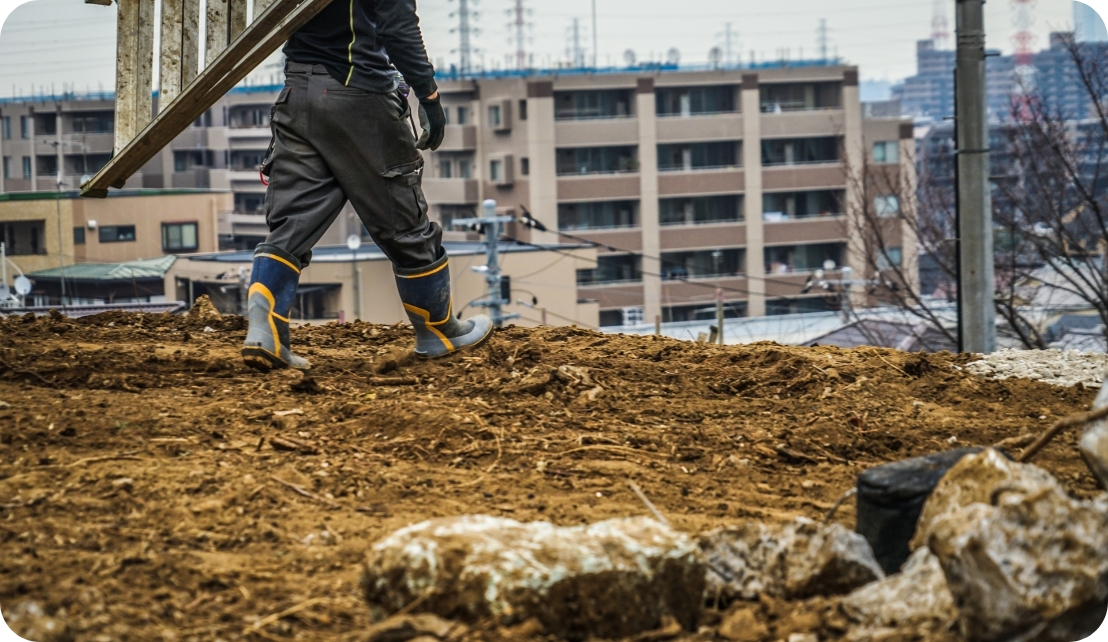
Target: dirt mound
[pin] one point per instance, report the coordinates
(153, 487)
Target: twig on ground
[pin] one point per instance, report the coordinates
(300, 490)
(642, 496)
(290, 444)
(845, 496)
(1059, 426)
(270, 619)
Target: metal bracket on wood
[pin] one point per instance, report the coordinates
(245, 52)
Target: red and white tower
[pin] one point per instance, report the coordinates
(940, 27)
(1024, 43)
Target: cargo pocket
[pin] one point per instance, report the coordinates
(405, 190)
(267, 160)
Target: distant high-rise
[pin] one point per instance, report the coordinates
(1087, 24)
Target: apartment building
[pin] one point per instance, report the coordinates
(691, 182)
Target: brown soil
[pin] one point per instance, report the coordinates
(138, 477)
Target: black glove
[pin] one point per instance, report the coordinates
(432, 119)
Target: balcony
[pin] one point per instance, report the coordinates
(706, 235)
(603, 104)
(776, 98)
(803, 123)
(593, 187)
(701, 181)
(806, 230)
(699, 156)
(199, 178)
(573, 133)
(459, 138)
(802, 259)
(701, 127)
(452, 191)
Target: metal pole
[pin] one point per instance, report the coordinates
(357, 290)
(492, 260)
(976, 280)
(594, 54)
(719, 313)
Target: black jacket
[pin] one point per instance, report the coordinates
(362, 43)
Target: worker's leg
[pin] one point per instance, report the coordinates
(302, 201)
(368, 141)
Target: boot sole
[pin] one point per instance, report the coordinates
(475, 344)
(262, 360)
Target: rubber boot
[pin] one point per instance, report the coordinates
(273, 281)
(425, 293)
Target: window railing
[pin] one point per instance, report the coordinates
(790, 106)
(583, 284)
(679, 276)
(715, 221)
(696, 168)
(596, 172)
(588, 114)
(792, 163)
(779, 217)
(678, 114)
(597, 228)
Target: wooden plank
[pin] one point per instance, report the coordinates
(236, 21)
(126, 44)
(144, 65)
(190, 40)
(215, 41)
(169, 61)
(249, 50)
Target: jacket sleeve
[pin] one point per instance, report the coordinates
(398, 29)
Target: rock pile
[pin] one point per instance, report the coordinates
(1057, 367)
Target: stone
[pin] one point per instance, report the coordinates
(29, 621)
(741, 624)
(1094, 442)
(914, 600)
(611, 579)
(975, 479)
(1030, 565)
(794, 560)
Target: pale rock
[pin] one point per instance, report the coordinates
(611, 579)
(975, 479)
(402, 628)
(741, 624)
(794, 560)
(916, 599)
(30, 622)
(1034, 566)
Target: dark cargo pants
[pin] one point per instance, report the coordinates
(334, 143)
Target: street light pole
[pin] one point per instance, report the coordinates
(354, 242)
(491, 222)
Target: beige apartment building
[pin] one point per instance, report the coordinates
(688, 180)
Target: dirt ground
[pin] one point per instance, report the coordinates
(143, 495)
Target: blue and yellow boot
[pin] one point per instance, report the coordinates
(425, 293)
(273, 281)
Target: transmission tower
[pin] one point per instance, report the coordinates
(465, 31)
(821, 39)
(576, 52)
(520, 26)
(1024, 39)
(730, 39)
(940, 27)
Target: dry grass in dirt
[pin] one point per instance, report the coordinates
(154, 488)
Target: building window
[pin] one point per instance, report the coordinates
(523, 110)
(887, 151)
(6, 127)
(26, 167)
(179, 236)
(495, 118)
(886, 206)
(465, 168)
(496, 170)
(24, 127)
(446, 114)
(525, 166)
(100, 122)
(446, 168)
(78, 236)
(117, 233)
(891, 257)
(598, 215)
(463, 115)
(7, 167)
(700, 209)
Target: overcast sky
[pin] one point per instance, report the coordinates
(58, 42)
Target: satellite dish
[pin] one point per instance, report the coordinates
(5, 292)
(829, 265)
(673, 56)
(715, 55)
(629, 57)
(22, 285)
(353, 242)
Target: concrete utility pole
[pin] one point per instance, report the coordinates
(491, 222)
(977, 318)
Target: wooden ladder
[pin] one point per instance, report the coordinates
(233, 49)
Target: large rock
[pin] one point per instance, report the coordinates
(611, 579)
(913, 602)
(794, 560)
(1029, 565)
(975, 480)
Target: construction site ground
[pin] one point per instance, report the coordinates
(154, 488)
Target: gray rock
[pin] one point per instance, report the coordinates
(29, 621)
(916, 601)
(1031, 566)
(975, 479)
(611, 579)
(795, 560)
